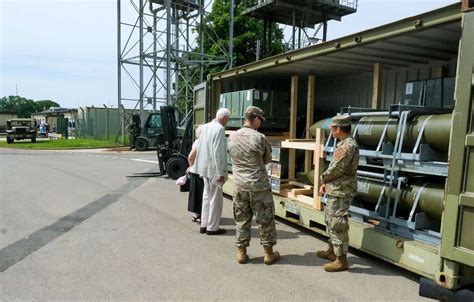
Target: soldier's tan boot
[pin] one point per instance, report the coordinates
(329, 254)
(242, 256)
(338, 265)
(270, 255)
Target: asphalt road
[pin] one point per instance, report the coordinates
(74, 227)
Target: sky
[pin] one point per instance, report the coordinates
(66, 50)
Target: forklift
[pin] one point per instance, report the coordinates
(172, 143)
(141, 139)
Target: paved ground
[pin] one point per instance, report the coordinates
(74, 227)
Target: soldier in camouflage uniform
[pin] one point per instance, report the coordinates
(339, 185)
(250, 151)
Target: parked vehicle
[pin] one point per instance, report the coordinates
(21, 128)
(161, 131)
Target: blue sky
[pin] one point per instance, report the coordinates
(65, 50)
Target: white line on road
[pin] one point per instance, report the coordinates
(145, 161)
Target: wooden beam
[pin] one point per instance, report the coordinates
(377, 87)
(307, 145)
(318, 168)
(215, 101)
(293, 115)
(308, 161)
(467, 5)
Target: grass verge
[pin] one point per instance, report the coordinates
(61, 144)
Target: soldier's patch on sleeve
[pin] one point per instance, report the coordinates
(341, 152)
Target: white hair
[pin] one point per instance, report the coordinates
(222, 113)
(199, 130)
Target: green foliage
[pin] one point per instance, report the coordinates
(46, 104)
(61, 144)
(24, 107)
(247, 31)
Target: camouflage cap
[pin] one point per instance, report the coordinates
(341, 121)
(252, 112)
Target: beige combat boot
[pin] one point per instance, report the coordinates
(242, 256)
(338, 265)
(329, 254)
(270, 255)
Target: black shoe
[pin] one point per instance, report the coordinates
(217, 232)
(202, 230)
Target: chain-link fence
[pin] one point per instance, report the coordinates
(103, 123)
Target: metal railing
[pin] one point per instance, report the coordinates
(349, 3)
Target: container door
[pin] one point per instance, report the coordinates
(457, 242)
(199, 107)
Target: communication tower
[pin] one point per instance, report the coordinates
(160, 52)
(302, 16)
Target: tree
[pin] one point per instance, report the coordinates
(20, 105)
(24, 107)
(247, 31)
(46, 104)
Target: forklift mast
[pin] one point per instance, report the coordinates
(170, 127)
(187, 139)
(173, 150)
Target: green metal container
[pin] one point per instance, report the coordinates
(62, 126)
(275, 105)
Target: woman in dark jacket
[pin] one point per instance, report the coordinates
(196, 184)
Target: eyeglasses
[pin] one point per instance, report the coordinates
(261, 119)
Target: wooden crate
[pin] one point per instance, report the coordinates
(301, 192)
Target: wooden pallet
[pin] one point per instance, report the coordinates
(297, 191)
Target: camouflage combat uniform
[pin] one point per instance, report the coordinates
(250, 151)
(341, 185)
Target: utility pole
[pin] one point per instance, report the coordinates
(231, 35)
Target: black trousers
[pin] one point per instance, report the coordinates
(196, 188)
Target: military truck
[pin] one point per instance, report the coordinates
(21, 128)
(409, 88)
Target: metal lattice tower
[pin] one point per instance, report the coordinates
(301, 16)
(160, 52)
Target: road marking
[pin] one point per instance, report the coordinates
(115, 157)
(17, 251)
(145, 161)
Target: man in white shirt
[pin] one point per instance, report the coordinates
(211, 165)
